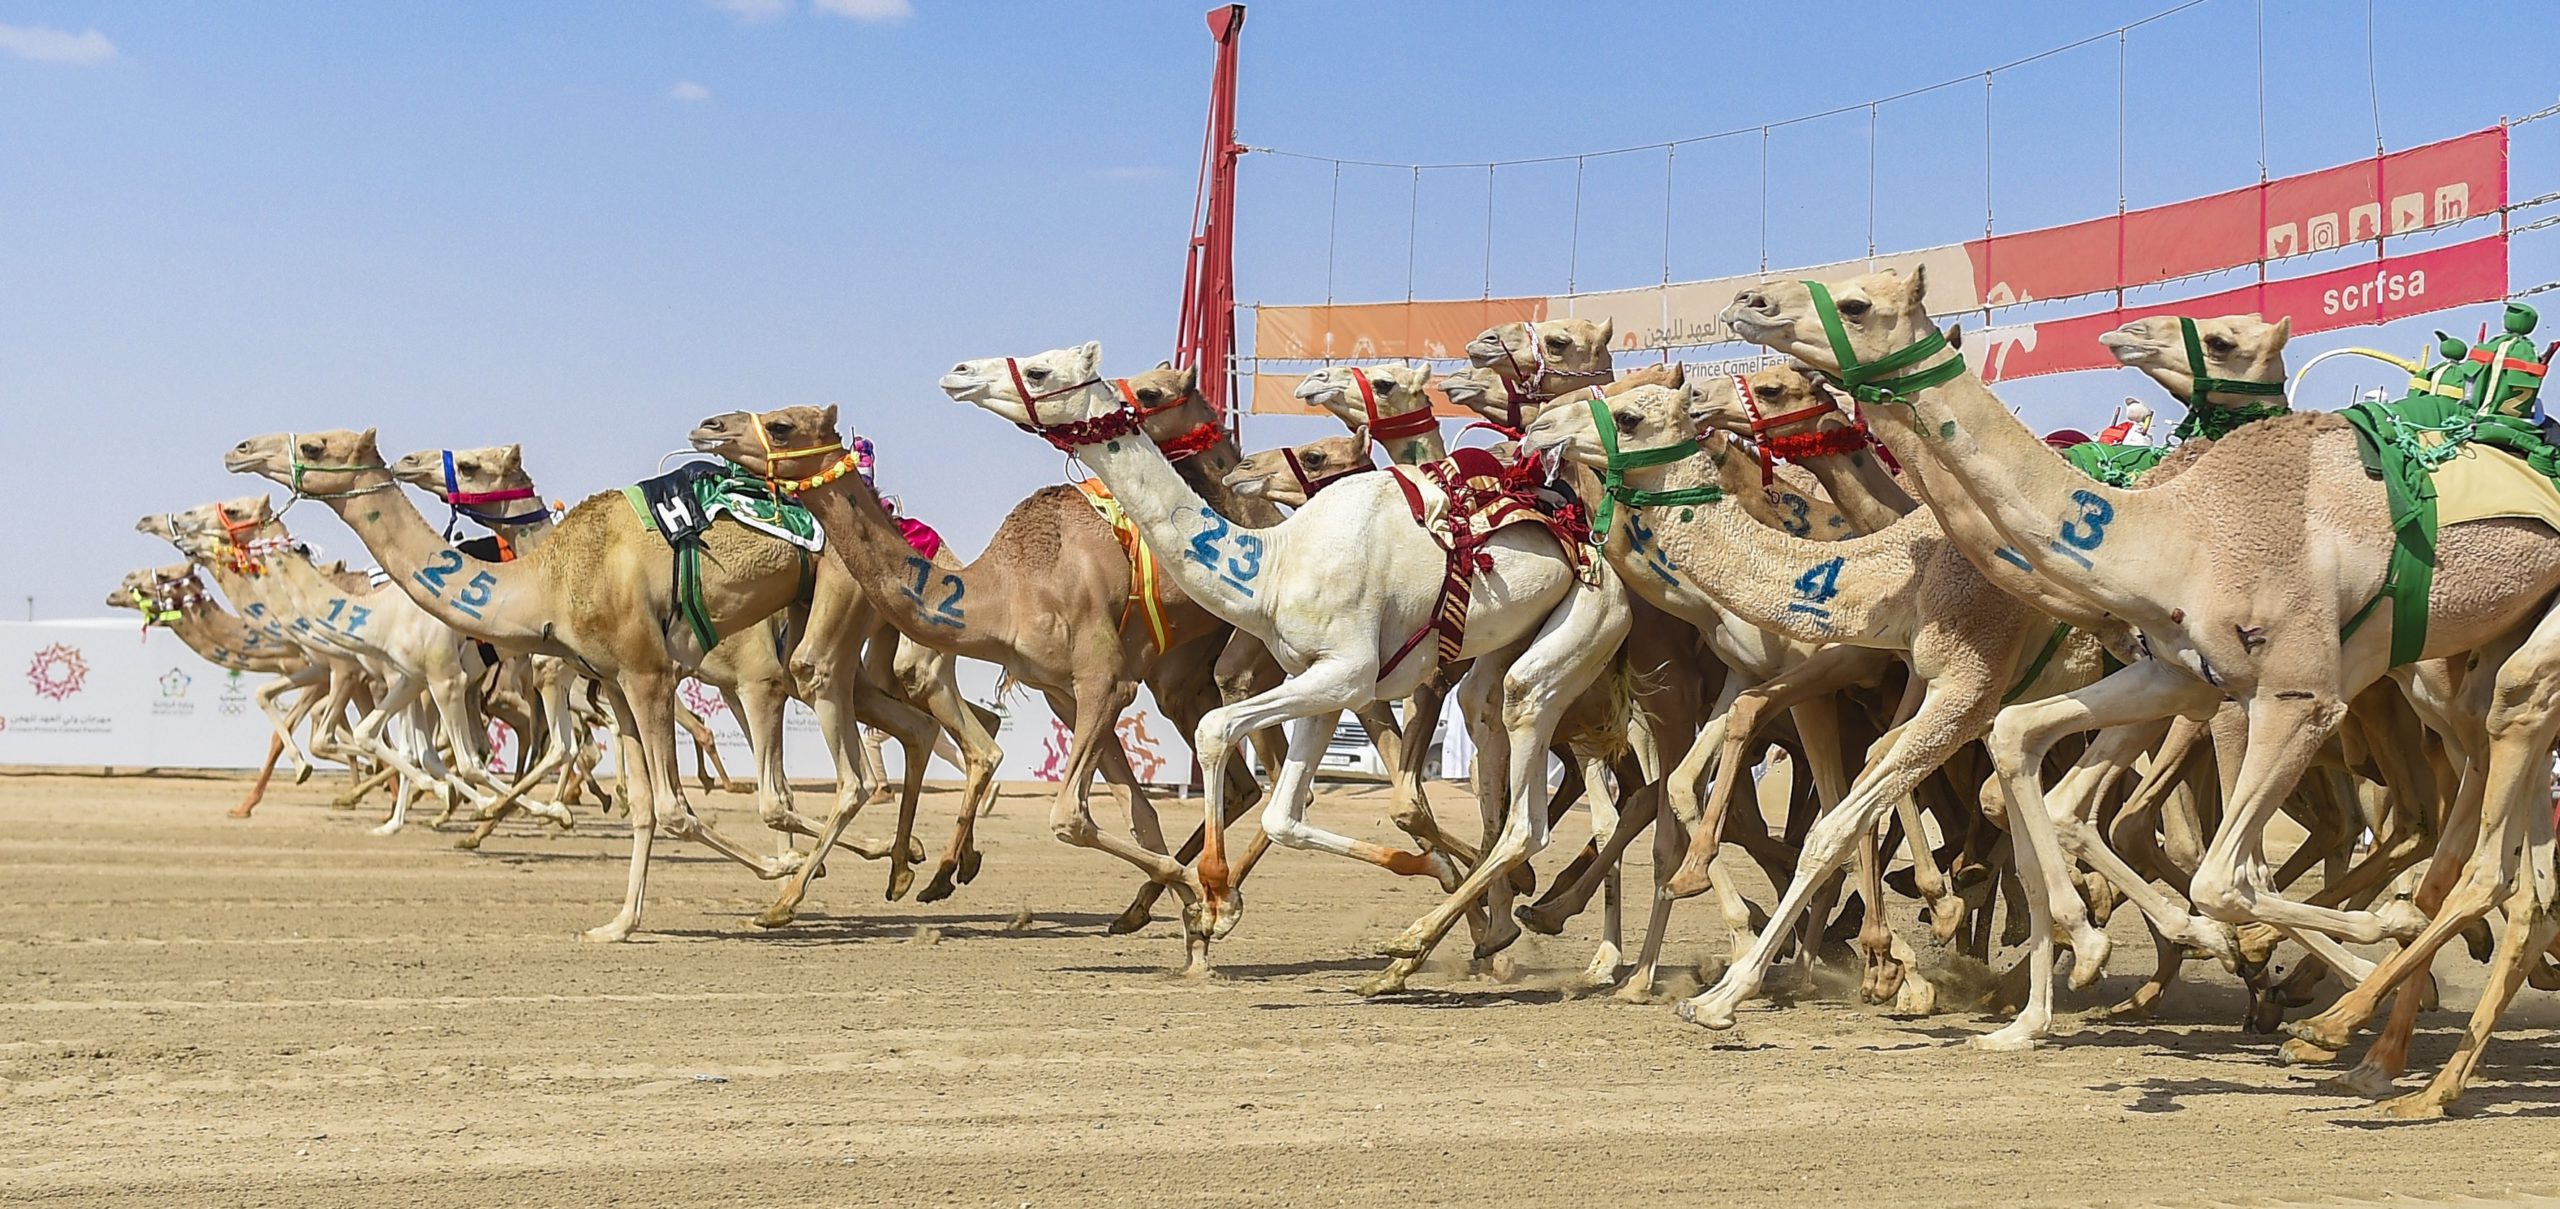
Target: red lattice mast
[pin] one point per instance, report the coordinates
(1207, 341)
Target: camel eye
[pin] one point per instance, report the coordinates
(1557, 342)
(1382, 385)
(1150, 395)
(467, 467)
(2219, 344)
(1767, 390)
(1036, 375)
(311, 449)
(1853, 307)
(1628, 421)
(1313, 457)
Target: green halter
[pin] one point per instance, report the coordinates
(152, 611)
(293, 447)
(1613, 480)
(1876, 381)
(2214, 423)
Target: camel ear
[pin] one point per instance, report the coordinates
(512, 455)
(1919, 282)
(1608, 330)
(2284, 329)
(1679, 373)
(1091, 351)
(1955, 336)
(1164, 365)
(365, 444)
(827, 416)
(1190, 380)
(1360, 442)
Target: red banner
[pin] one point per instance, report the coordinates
(2358, 296)
(2393, 194)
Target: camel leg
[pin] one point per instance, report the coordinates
(977, 758)
(258, 788)
(639, 790)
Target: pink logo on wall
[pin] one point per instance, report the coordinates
(1146, 755)
(701, 698)
(57, 672)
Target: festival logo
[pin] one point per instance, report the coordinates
(58, 671)
(499, 733)
(173, 684)
(1145, 751)
(701, 698)
(234, 697)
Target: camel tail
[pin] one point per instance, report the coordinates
(1599, 722)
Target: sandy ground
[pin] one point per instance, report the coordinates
(289, 1011)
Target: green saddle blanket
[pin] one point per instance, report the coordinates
(2114, 465)
(2440, 463)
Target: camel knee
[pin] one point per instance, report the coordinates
(1286, 830)
(2217, 892)
(2008, 743)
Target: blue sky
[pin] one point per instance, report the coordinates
(585, 225)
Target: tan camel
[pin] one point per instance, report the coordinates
(1353, 570)
(1536, 362)
(174, 598)
(596, 592)
(2240, 575)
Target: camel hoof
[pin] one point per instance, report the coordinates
(2010, 1040)
(1946, 916)
(2298, 1052)
(969, 862)
(1686, 883)
(1638, 990)
(237, 812)
(938, 889)
(302, 775)
(2480, 941)
(1389, 981)
(468, 843)
(1604, 967)
(1499, 933)
(901, 880)
(1524, 880)
(1536, 919)
(1713, 1017)
(1916, 996)
(606, 935)
(2402, 920)
(2421, 1105)
(2315, 1033)
(2363, 1081)
(2265, 1014)
(776, 916)
(1884, 982)
(1226, 918)
(2133, 1008)
(2089, 958)
(1130, 920)
(915, 851)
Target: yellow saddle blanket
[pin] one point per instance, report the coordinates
(2483, 482)
(1146, 576)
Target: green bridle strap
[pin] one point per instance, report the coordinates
(1876, 381)
(2207, 384)
(293, 449)
(1613, 480)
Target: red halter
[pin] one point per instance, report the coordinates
(1404, 426)
(1190, 444)
(1797, 446)
(1312, 484)
(1069, 436)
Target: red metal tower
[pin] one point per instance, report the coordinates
(1207, 341)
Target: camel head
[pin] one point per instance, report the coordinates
(1777, 391)
(1546, 358)
(1397, 389)
(322, 465)
(1880, 314)
(2235, 348)
(1477, 390)
(1290, 475)
(1061, 386)
(475, 471)
(785, 443)
(132, 590)
(224, 530)
(1646, 417)
(1162, 394)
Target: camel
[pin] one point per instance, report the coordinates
(597, 593)
(1050, 601)
(2240, 575)
(1536, 362)
(418, 662)
(175, 599)
(1355, 577)
(1292, 474)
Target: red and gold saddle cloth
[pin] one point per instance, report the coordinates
(1462, 501)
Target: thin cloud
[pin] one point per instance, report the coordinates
(753, 11)
(1127, 172)
(875, 11)
(687, 90)
(45, 44)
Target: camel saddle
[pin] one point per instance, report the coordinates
(1146, 577)
(682, 503)
(2442, 463)
(1462, 501)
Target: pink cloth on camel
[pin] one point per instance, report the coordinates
(921, 536)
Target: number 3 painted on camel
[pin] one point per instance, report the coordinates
(2087, 533)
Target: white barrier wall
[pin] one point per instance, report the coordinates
(107, 693)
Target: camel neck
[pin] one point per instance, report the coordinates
(1860, 486)
(1806, 590)
(502, 603)
(2010, 500)
(1218, 561)
(956, 609)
